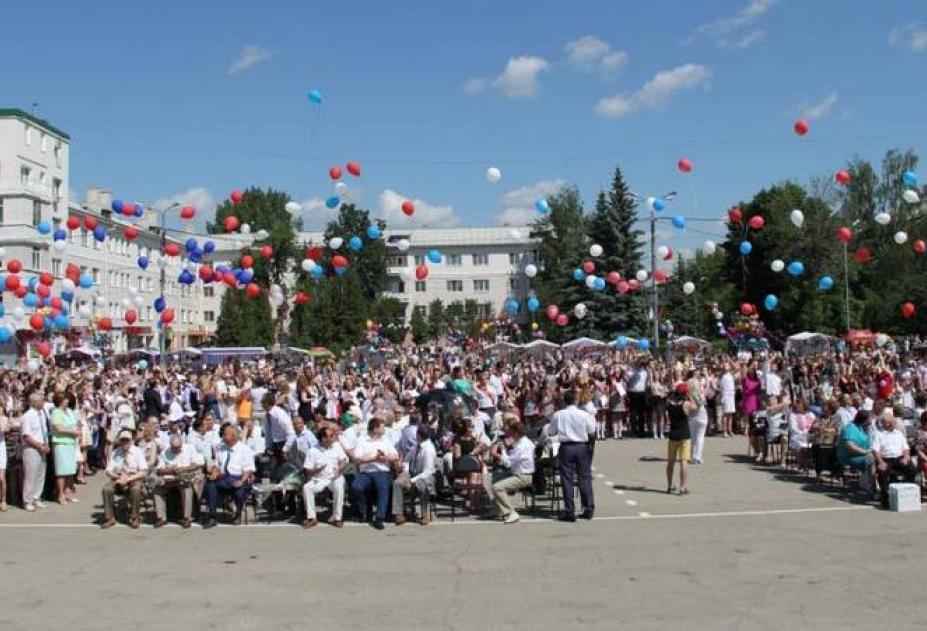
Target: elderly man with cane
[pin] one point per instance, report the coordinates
(574, 428)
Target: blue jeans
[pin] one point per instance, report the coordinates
(363, 482)
(223, 486)
(575, 461)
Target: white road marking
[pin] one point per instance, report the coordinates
(644, 514)
(619, 491)
(630, 502)
(608, 483)
(600, 475)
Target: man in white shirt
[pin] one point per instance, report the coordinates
(418, 475)
(728, 401)
(573, 428)
(126, 469)
(35, 451)
(304, 441)
(280, 433)
(324, 466)
(231, 473)
(178, 468)
(892, 454)
(638, 383)
(514, 452)
(375, 457)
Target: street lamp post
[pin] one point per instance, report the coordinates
(655, 305)
(162, 214)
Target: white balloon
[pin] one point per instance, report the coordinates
(595, 250)
(246, 228)
(883, 219)
(100, 300)
(84, 311)
(261, 234)
(531, 271)
(649, 201)
(293, 207)
(778, 265)
(797, 217)
(307, 265)
(590, 281)
(19, 313)
(515, 234)
(710, 247)
(406, 273)
(126, 303)
(68, 286)
(342, 189)
(335, 242)
(662, 251)
(493, 174)
(580, 310)
(403, 245)
(139, 301)
(59, 245)
(911, 196)
(688, 287)
(32, 365)
(641, 275)
(900, 237)
(239, 244)
(132, 291)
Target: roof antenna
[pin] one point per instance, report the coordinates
(35, 106)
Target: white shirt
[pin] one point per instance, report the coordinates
(519, 458)
(330, 457)
(204, 444)
(349, 438)
(304, 442)
(773, 385)
(572, 425)
(280, 428)
(35, 425)
(128, 461)
(368, 447)
(891, 444)
(727, 386)
(422, 461)
(637, 380)
(235, 460)
(175, 411)
(188, 455)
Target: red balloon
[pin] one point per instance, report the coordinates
(669, 254)
(552, 311)
(314, 253)
(335, 173)
(908, 309)
(73, 222)
(746, 308)
(105, 324)
(56, 303)
(842, 177)
(301, 298)
(421, 272)
(734, 215)
(167, 316)
(187, 212)
(801, 127)
(73, 272)
(919, 246)
(614, 277)
(231, 223)
(43, 348)
(130, 233)
(267, 251)
(206, 273)
(563, 319)
(862, 255)
(247, 261)
(21, 291)
(128, 208)
(684, 165)
(90, 222)
(253, 290)
(633, 284)
(408, 208)
(14, 266)
(236, 198)
(43, 291)
(172, 249)
(229, 279)
(660, 276)
(131, 316)
(756, 222)
(340, 261)
(37, 322)
(11, 283)
(844, 234)
(588, 267)
(623, 287)
(354, 168)
(46, 279)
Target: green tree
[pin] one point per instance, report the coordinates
(436, 319)
(389, 315)
(420, 327)
(369, 263)
(244, 321)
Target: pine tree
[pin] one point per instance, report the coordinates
(244, 321)
(419, 327)
(436, 319)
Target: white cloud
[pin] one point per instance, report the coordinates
(910, 36)
(520, 77)
(753, 37)
(426, 214)
(315, 214)
(200, 198)
(475, 85)
(728, 32)
(590, 54)
(656, 92)
(819, 110)
(518, 205)
(249, 57)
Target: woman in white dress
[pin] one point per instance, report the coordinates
(698, 418)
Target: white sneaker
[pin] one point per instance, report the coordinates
(40, 504)
(511, 518)
(30, 507)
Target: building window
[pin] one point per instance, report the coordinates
(454, 260)
(25, 175)
(2, 217)
(481, 259)
(36, 212)
(36, 259)
(44, 143)
(513, 258)
(209, 316)
(422, 310)
(396, 261)
(419, 259)
(512, 284)
(58, 152)
(455, 285)
(535, 256)
(421, 285)
(56, 267)
(28, 135)
(481, 285)
(208, 292)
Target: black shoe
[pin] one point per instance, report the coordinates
(378, 524)
(237, 520)
(587, 515)
(210, 523)
(565, 517)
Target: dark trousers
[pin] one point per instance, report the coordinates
(363, 482)
(575, 461)
(894, 469)
(823, 459)
(223, 486)
(638, 403)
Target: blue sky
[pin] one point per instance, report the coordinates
(192, 99)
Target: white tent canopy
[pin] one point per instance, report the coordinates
(583, 342)
(808, 342)
(543, 344)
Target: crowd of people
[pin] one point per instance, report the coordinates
(369, 432)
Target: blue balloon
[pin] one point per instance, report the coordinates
(910, 179)
(434, 256)
(143, 364)
(60, 234)
(679, 222)
(86, 281)
(542, 206)
(60, 321)
(373, 232)
(579, 275)
(318, 271)
(533, 304)
(49, 323)
(796, 268)
(355, 243)
(511, 305)
(599, 284)
(209, 247)
(5, 335)
(99, 233)
(33, 282)
(746, 247)
(315, 96)
(66, 297)
(826, 283)
(44, 227)
(659, 204)
(160, 304)
(2, 310)
(246, 276)
(190, 245)
(643, 344)
(118, 205)
(622, 341)
(185, 277)
(31, 300)
(142, 262)
(341, 271)
(770, 302)
(332, 202)
(196, 255)
(139, 211)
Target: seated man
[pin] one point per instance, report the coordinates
(231, 473)
(179, 467)
(418, 475)
(892, 454)
(374, 456)
(324, 467)
(126, 470)
(514, 452)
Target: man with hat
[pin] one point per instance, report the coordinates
(178, 467)
(126, 469)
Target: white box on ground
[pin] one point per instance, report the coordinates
(904, 497)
